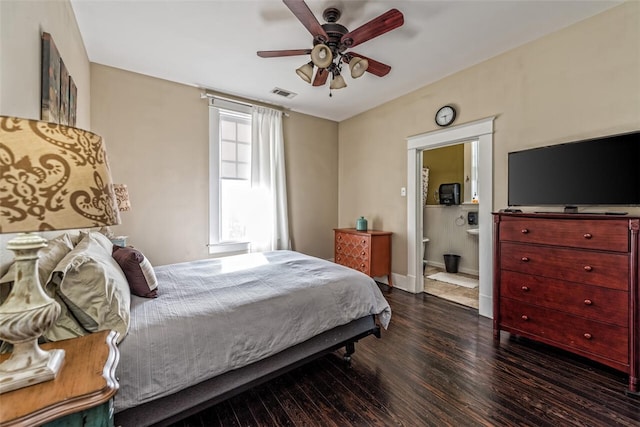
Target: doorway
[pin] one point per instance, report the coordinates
(451, 262)
(482, 130)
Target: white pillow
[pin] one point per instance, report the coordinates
(66, 326)
(94, 288)
(49, 257)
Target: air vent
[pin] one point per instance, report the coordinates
(282, 92)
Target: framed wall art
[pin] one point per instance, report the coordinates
(50, 91)
(64, 94)
(73, 102)
(59, 94)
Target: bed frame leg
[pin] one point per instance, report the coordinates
(350, 349)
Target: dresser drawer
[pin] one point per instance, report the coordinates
(352, 244)
(352, 251)
(585, 234)
(593, 302)
(569, 331)
(352, 262)
(610, 270)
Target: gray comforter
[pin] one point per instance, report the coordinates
(216, 315)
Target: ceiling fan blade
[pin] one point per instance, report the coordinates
(388, 21)
(321, 77)
(276, 53)
(300, 9)
(376, 68)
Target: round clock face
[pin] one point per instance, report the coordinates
(445, 115)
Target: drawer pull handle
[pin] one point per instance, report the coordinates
(525, 288)
(363, 253)
(524, 231)
(587, 235)
(588, 302)
(587, 336)
(525, 317)
(524, 259)
(588, 268)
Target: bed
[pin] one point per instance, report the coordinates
(193, 334)
(249, 317)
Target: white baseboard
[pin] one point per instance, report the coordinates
(460, 269)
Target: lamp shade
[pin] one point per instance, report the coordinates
(321, 56)
(306, 72)
(122, 197)
(358, 66)
(337, 82)
(53, 177)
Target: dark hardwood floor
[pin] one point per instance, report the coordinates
(437, 365)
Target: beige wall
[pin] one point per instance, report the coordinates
(21, 26)
(311, 150)
(581, 82)
(446, 165)
(157, 137)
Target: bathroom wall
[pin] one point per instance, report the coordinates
(445, 165)
(446, 227)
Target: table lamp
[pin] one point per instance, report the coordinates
(124, 205)
(122, 197)
(52, 177)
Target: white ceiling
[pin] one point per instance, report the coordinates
(212, 43)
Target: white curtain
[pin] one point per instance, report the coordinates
(268, 174)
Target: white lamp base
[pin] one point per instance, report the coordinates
(46, 370)
(27, 312)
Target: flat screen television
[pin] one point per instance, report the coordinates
(603, 172)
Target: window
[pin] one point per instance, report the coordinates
(247, 184)
(235, 146)
(471, 171)
(231, 205)
(474, 169)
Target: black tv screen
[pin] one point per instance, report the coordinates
(602, 171)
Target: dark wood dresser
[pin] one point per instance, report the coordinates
(571, 281)
(366, 251)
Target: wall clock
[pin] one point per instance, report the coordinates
(445, 115)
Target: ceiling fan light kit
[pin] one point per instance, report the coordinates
(337, 82)
(331, 41)
(306, 72)
(358, 66)
(321, 56)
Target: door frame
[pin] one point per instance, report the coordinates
(482, 130)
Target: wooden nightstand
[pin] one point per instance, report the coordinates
(367, 251)
(81, 395)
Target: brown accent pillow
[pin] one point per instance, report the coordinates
(138, 271)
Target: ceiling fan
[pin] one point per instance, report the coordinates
(331, 42)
